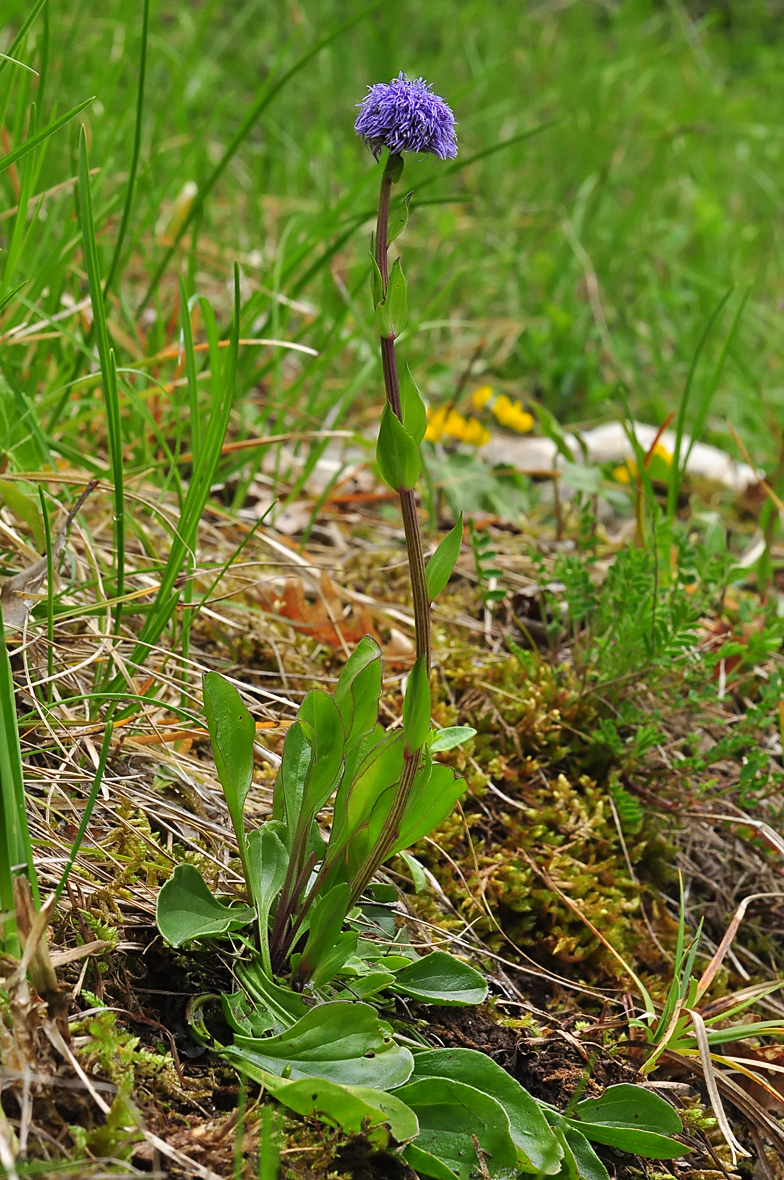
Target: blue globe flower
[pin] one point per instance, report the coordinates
(406, 116)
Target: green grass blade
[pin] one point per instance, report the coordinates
(15, 847)
(198, 491)
(137, 143)
(20, 221)
(707, 397)
(27, 412)
(88, 811)
(265, 96)
(108, 368)
(676, 473)
(49, 598)
(190, 372)
(20, 36)
(41, 136)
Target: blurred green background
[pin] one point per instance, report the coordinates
(596, 249)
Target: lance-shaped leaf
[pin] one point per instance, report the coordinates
(439, 568)
(358, 691)
(397, 455)
(290, 780)
(416, 707)
(392, 312)
(187, 909)
(430, 802)
(335, 958)
(398, 218)
(377, 281)
(232, 733)
(320, 717)
(412, 408)
(268, 860)
(355, 801)
(326, 920)
(453, 735)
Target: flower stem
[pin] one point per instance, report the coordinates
(408, 508)
(390, 830)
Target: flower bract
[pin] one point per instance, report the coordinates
(406, 116)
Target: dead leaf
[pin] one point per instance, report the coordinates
(323, 620)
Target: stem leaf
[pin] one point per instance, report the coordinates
(396, 453)
(439, 569)
(392, 313)
(412, 408)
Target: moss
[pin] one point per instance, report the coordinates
(532, 816)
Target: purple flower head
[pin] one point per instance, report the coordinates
(406, 116)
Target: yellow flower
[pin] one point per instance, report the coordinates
(455, 424)
(475, 433)
(446, 420)
(622, 474)
(512, 414)
(480, 397)
(435, 423)
(663, 453)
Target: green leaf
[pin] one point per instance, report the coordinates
(537, 1147)
(392, 313)
(398, 219)
(358, 1110)
(291, 778)
(439, 568)
(396, 453)
(580, 1161)
(551, 428)
(232, 733)
(187, 909)
(417, 872)
(453, 735)
(412, 408)
(326, 921)
(334, 960)
(243, 1018)
(358, 691)
(376, 281)
(439, 978)
(425, 1164)
(267, 862)
(449, 1114)
(416, 707)
(587, 1164)
(644, 1143)
(431, 801)
(283, 1005)
(320, 713)
(35, 140)
(626, 1105)
(379, 770)
(633, 1119)
(339, 1041)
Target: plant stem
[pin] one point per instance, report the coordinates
(416, 557)
(408, 508)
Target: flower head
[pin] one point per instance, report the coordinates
(445, 419)
(406, 116)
